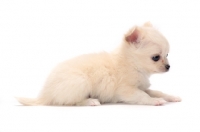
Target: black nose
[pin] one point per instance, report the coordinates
(167, 66)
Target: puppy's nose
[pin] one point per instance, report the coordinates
(167, 66)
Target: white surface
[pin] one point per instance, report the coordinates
(121, 118)
(36, 35)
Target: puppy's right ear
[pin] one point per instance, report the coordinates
(148, 24)
(133, 36)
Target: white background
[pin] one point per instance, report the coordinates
(36, 35)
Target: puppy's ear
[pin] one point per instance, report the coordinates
(148, 24)
(133, 36)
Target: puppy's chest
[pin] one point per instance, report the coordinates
(143, 82)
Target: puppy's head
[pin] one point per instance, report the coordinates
(148, 49)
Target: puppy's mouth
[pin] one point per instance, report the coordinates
(162, 70)
(165, 70)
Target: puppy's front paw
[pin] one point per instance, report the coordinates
(172, 99)
(157, 101)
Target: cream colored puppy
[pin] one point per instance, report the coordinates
(119, 76)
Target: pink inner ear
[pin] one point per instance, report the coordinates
(133, 36)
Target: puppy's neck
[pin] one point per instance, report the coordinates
(128, 61)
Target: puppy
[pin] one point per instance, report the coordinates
(120, 76)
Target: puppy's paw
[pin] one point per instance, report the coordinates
(157, 101)
(92, 102)
(172, 99)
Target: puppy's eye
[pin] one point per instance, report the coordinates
(156, 58)
(166, 55)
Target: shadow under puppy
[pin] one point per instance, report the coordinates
(119, 76)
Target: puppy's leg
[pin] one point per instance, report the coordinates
(158, 94)
(66, 90)
(89, 102)
(137, 96)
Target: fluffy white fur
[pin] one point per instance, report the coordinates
(119, 76)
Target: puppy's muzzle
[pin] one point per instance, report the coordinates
(167, 66)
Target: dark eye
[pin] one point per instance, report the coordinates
(156, 58)
(166, 55)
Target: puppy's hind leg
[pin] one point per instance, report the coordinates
(68, 90)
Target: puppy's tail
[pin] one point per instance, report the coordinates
(29, 101)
